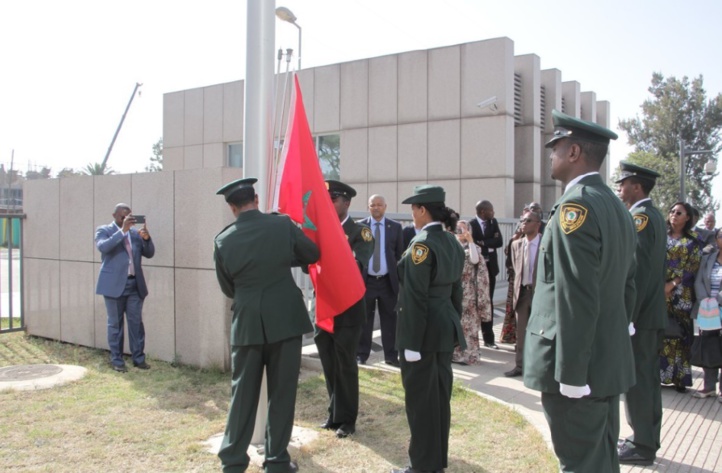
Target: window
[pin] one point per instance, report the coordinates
(328, 148)
(235, 155)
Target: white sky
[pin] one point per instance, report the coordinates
(67, 69)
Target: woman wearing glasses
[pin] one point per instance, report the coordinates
(683, 258)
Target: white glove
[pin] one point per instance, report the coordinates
(632, 331)
(574, 392)
(412, 356)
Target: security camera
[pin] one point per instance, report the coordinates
(490, 103)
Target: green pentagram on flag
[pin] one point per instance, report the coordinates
(307, 223)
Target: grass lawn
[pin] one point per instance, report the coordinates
(156, 421)
(5, 323)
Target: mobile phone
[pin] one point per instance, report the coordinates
(139, 219)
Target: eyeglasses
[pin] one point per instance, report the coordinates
(527, 220)
(676, 212)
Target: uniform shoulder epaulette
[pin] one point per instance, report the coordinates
(224, 229)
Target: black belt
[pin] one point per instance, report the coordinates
(130, 276)
(373, 276)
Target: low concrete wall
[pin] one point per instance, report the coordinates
(186, 317)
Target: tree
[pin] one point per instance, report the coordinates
(156, 161)
(44, 173)
(678, 109)
(97, 169)
(69, 172)
(329, 156)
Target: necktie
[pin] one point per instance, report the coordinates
(376, 265)
(527, 264)
(131, 266)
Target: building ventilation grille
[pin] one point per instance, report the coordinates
(517, 100)
(543, 106)
(564, 105)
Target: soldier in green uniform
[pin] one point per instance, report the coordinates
(337, 350)
(644, 399)
(578, 351)
(428, 328)
(253, 258)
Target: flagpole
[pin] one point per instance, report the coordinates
(258, 96)
(277, 154)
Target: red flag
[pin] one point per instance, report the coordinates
(302, 195)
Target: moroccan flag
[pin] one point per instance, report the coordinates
(301, 194)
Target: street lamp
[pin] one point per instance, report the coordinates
(709, 168)
(284, 14)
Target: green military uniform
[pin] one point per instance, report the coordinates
(337, 350)
(644, 399)
(429, 308)
(577, 334)
(253, 258)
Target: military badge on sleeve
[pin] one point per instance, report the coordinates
(640, 222)
(419, 253)
(366, 234)
(571, 217)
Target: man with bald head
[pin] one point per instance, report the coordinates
(382, 281)
(487, 235)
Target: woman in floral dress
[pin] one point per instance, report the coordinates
(476, 304)
(683, 258)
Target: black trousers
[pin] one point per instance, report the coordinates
(337, 352)
(427, 386)
(379, 291)
(487, 328)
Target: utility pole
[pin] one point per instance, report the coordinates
(683, 152)
(122, 119)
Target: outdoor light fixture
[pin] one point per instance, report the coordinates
(489, 103)
(284, 14)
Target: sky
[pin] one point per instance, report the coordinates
(68, 69)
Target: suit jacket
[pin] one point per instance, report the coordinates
(360, 238)
(517, 261)
(702, 287)
(409, 232)
(110, 241)
(429, 304)
(650, 310)
(394, 246)
(253, 258)
(578, 328)
(489, 239)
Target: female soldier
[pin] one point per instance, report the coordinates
(428, 328)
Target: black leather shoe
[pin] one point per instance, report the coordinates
(120, 368)
(630, 456)
(513, 373)
(393, 363)
(330, 425)
(345, 430)
(360, 360)
(292, 467)
(492, 345)
(142, 365)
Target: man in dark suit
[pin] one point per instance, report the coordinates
(644, 399)
(337, 350)
(382, 281)
(409, 232)
(122, 284)
(486, 233)
(253, 258)
(577, 350)
(523, 256)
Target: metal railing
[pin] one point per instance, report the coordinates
(11, 272)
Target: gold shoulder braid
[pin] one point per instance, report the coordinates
(366, 234)
(640, 221)
(419, 253)
(571, 217)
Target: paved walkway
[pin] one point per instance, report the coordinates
(691, 428)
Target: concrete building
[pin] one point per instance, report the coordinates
(383, 124)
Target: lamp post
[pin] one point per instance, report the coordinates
(687, 152)
(287, 15)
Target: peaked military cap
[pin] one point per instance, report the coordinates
(233, 186)
(632, 170)
(338, 188)
(426, 194)
(570, 127)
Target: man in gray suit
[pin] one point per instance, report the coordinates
(122, 284)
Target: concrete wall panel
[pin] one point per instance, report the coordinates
(487, 70)
(354, 94)
(159, 312)
(233, 104)
(153, 197)
(193, 117)
(354, 155)
(383, 156)
(172, 158)
(444, 83)
(383, 88)
(213, 114)
(444, 150)
(41, 228)
(327, 99)
(193, 157)
(173, 129)
(77, 300)
(413, 152)
(76, 217)
(413, 86)
(41, 286)
(214, 155)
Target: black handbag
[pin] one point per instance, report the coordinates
(706, 351)
(674, 328)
